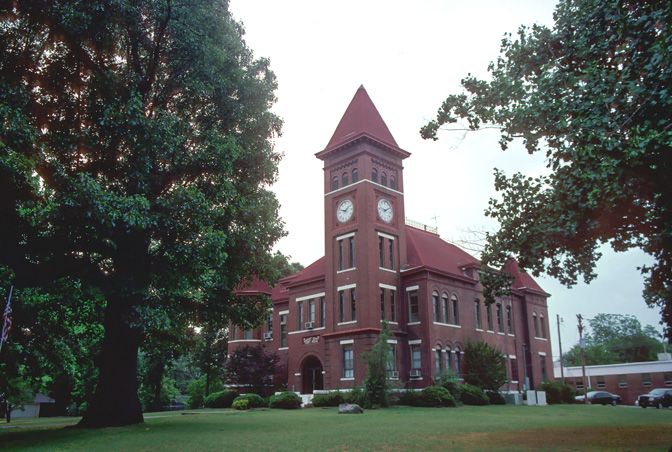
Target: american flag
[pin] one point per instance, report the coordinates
(6, 319)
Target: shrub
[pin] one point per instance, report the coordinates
(196, 391)
(450, 381)
(254, 400)
(436, 396)
(495, 398)
(409, 398)
(472, 395)
(484, 366)
(286, 400)
(241, 404)
(221, 399)
(355, 395)
(557, 392)
(333, 398)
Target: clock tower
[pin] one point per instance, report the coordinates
(364, 229)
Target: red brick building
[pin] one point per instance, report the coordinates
(378, 268)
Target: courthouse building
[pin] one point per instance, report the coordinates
(377, 267)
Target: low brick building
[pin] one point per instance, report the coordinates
(377, 268)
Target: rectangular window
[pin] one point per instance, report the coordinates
(416, 362)
(382, 303)
(536, 325)
(646, 380)
(381, 251)
(514, 369)
(269, 322)
(351, 251)
(393, 306)
(542, 365)
(348, 362)
(413, 308)
(601, 384)
(542, 326)
(340, 254)
(353, 305)
(477, 312)
(391, 247)
(456, 311)
(283, 330)
(509, 319)
(437, 363)
(311, 311)
(622, 381)
(341, 306)
(579, 383)
(299, 310)
(323, 312)
(488, 315)
(435, 306)
(391, 358)
(247, 335)
(234, 329)
(500, 318)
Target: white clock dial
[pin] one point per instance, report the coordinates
(385, 211)
(344, 210)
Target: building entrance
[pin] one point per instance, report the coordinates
(311, 372)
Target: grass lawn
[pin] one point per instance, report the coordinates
(400, 428)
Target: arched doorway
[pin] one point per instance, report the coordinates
(311, 372)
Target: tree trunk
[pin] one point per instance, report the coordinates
(115, 401)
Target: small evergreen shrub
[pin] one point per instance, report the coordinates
(356, 395)
(221, 399)
(557, 392)
(286, 400)
(473, 395)
(495, 398)
(241, 404)
(436, 396)
(254, 400)
(333, 398)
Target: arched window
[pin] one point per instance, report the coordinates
(458, 361)
(509, 319)
(383, 178)
(456, 310)
(393, 181)
(437, 363)
(355, 175)
(542, 326)
(374, 175)
(334, 183)
(344, 179)
(449, 359)
(435, 306)
(445, 308)
(536, 324)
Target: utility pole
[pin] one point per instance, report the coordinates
(582, 344)
(562, 367)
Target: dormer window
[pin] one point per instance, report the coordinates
(374, 175)
(355, 175)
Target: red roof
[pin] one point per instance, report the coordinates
(255, 287)
(361, 119)
(425, 249)
(313, 272)
(521, 279)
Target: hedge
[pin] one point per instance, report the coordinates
(333, 398)
(221, 399)
(254, 400)
(286, 400)
(473, 395)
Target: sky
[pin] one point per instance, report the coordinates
(409, 56)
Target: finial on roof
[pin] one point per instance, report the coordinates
(362, 86)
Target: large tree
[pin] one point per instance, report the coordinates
(135, 158)
(592, 94)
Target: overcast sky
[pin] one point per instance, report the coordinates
(409, 56)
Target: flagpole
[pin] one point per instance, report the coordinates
(6, 312)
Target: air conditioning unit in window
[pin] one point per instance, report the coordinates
(394, 374)
(310, 325)
(268, 336)
(415, 373)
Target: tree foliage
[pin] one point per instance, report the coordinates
(252, 367)
(484, 366)
(135, 158)
(616, 338)
(376, 385)
(593, 94)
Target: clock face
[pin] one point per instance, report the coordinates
(385, 211)
(344, 210)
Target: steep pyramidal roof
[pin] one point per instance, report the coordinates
(361, 119)
(521, 279)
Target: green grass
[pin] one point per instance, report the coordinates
(400, 428)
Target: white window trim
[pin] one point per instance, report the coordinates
(387, 236)
(346, 287)
(306, 331)
(411, 288)
(349, 322)
(387, 269)
(542, 353)
(452, 325)
(413, 323)
(390, 323)
(479, 329)
(346, 270)
(387, 286)
(345, 236)
(244, 340)
(391, 341)
(346, 341)
(286, 312)
(283, 348)
(297, 374)
(415, 342)
(309, 297)
(501, 333)
(511, 334)
(347, 378)
(540, 338)
(512, 357)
